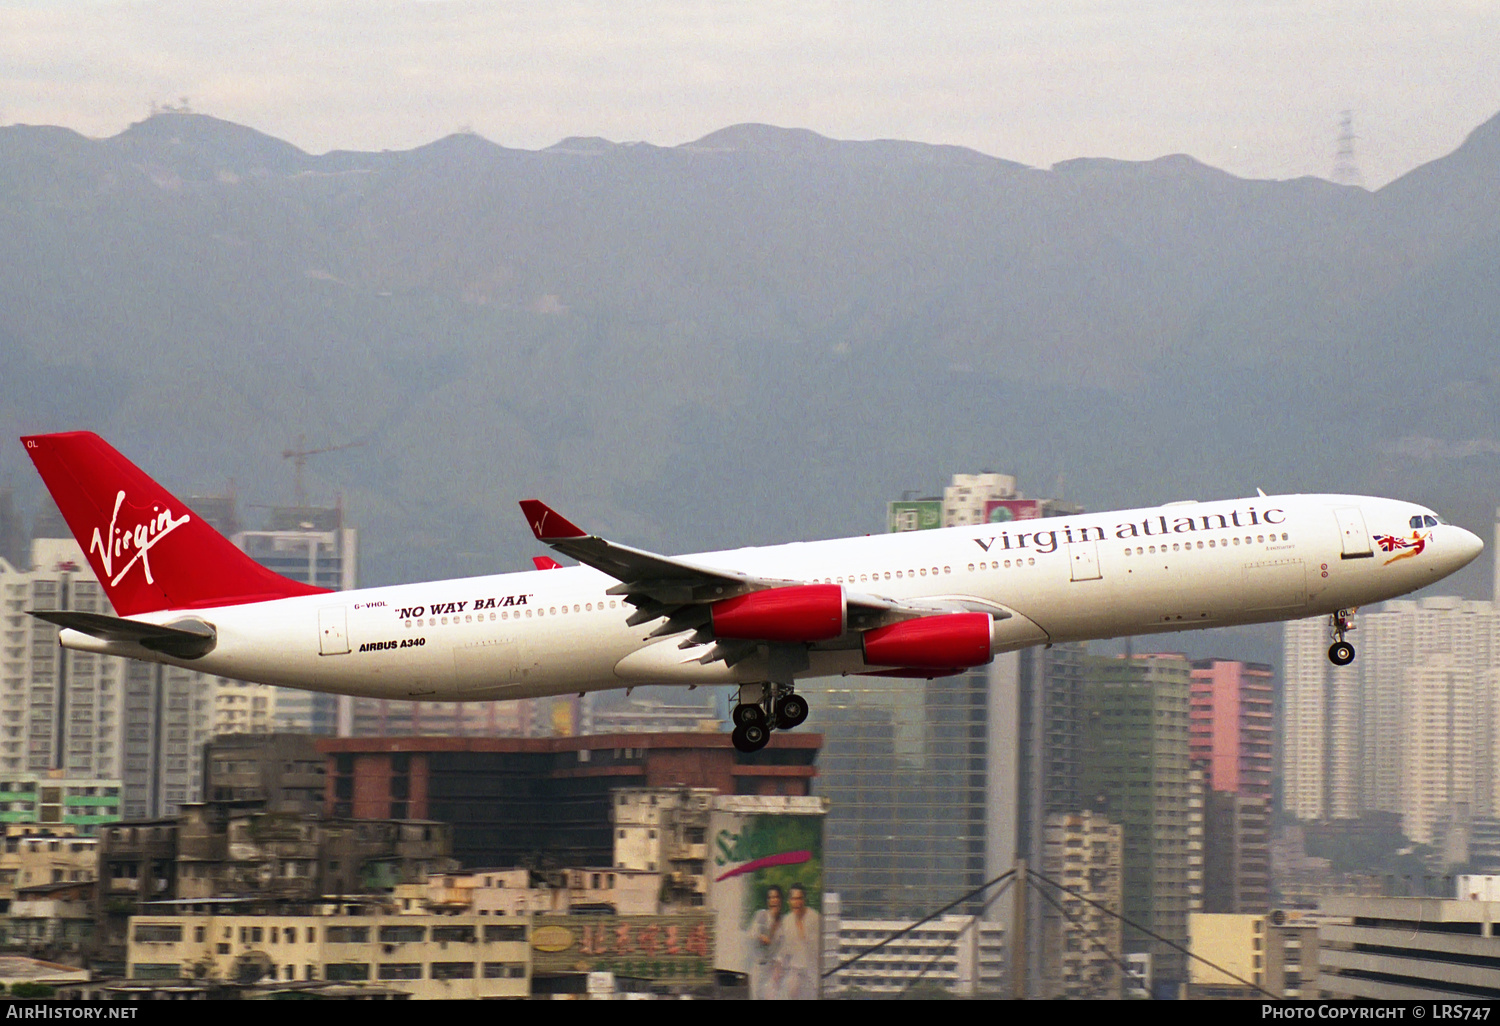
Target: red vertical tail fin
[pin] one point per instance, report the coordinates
(148, 549)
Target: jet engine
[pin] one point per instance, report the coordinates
(931, 642)
(805, 612)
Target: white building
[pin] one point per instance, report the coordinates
(93, 716)
(1410, 727)
(312, 545)
(964, 500)
(962, 955)
(1409, 949)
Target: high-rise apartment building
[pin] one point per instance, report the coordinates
(92, 716)
(1231, 738)
(62, 709)
(904, 767)
(1230, 725)
(1410, 727)
(1237, 854)
(315, 546)
(1136, 773)
(937, 786)
(14, 544)
(1081, 933)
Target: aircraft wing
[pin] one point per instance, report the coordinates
(662, 578)
(682, 591)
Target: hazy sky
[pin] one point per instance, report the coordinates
(1249, 86)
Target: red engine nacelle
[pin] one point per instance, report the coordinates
(804, 612)
(931, 642)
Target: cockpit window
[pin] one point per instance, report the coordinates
(1416, 521)
(1432, 521)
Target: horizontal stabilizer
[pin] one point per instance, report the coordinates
(184, 639)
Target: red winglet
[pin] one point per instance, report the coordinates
(546, 523)
(545, 563)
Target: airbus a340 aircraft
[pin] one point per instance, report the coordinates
(922, 604)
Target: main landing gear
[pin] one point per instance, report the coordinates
(777, 708)
(1341, 653)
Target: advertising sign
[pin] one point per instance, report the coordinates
(669, 949)
(915, 515)
(1002, 511)
(767, 880)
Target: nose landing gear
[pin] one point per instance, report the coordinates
(777, 707)
(1341, 653)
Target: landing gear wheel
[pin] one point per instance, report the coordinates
(790, 712)
(1341, 653)
(747, 713)
(750, 737)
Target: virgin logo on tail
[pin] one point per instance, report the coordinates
(141, 538)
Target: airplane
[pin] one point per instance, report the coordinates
(919, 604)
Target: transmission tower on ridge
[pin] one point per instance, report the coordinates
(1345, 170)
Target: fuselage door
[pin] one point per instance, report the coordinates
(1083, 558)
(1356, 538)
(333, 630)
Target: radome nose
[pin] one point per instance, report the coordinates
(1467, 547)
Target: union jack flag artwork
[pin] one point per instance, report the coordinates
(1391, 543)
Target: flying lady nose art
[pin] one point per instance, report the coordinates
(1404, 548)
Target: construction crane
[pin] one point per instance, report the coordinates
(299, 456)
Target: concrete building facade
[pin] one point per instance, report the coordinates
(1137, 773)
(426, 956)
(546, 802)
(1409, 949)
(1080, 939)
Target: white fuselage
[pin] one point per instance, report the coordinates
(1175, 567)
